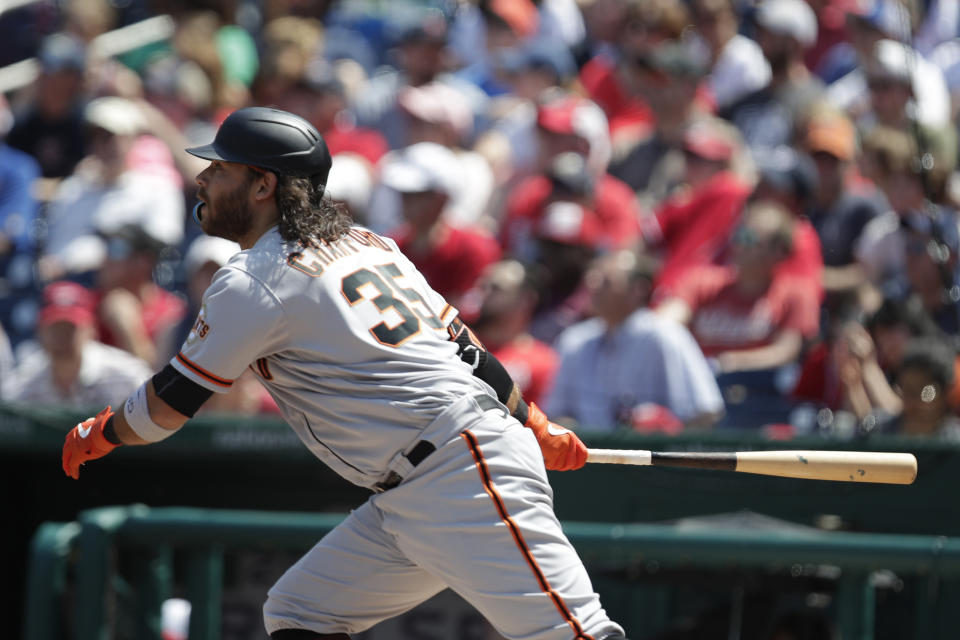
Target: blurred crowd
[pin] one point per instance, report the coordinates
(658, 214)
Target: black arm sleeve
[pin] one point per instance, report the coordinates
(485, 365)
(180, 392)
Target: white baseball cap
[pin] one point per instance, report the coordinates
(792, 18)
(425, 166)
(208, 249)
(439, 104)
(350, 180)
(117, 115)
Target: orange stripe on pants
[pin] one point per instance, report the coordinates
(487, 481)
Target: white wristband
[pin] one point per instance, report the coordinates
(137, 413)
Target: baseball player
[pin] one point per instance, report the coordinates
(380, 380)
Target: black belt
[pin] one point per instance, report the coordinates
(424, 448)
(417, 455)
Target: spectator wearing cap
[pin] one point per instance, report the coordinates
(904, 86)
(134, 312)
(891, 75)
(567, 237)
(750, 316)
(842, 204)
(626, 357)
(691, 226)
(50, 126)
(450, 258)
(440, 114)
(568, 124)
(737, 65)
(891, 160)
(668, 78)
(771, 116)
(867, 22)
(72, 369)
(106, 192)
(499, 309)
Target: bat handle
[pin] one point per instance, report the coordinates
(620, 456)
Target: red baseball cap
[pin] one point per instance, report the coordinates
(66, 301)
(559, 116)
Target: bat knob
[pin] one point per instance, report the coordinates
(197, 213)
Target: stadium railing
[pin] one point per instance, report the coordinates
(202, 536)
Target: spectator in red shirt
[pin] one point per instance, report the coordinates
(450, 258)
(569, 124)
(668, 78)
(642, 27)
(692, 226)
(789, 178)
(749, 315)
(134, 312)
(499, 309)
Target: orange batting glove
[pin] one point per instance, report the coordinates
(86, 442)
(562, 449)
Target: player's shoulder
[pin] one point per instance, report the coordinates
(264, 262)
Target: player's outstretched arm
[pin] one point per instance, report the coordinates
(145, 418)
(562, 449)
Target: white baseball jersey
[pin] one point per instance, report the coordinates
(348, 338)
(353, 345)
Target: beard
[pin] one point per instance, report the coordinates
(232, 218)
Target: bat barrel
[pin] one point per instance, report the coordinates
(846, 466)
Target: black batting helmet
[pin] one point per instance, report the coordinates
(270, 139)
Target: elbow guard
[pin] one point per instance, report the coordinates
(180, 392)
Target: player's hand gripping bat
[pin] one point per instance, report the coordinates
(846, 466)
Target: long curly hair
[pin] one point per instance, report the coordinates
(305, 215)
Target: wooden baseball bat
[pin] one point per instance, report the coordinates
(845, 466)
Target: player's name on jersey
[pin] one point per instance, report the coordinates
(313, 260)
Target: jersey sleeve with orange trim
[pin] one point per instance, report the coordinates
(240, 321)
